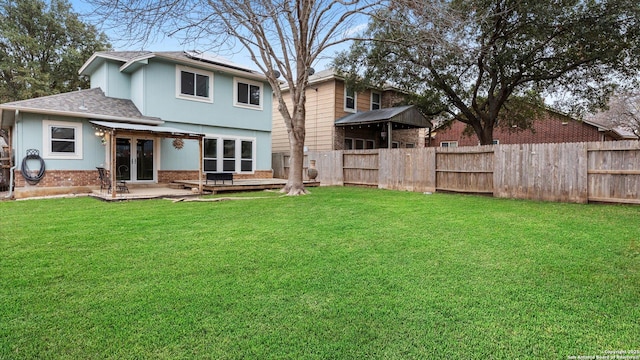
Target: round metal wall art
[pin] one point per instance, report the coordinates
(178, 143)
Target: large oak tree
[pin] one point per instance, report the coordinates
(42, 46)
(488, 63)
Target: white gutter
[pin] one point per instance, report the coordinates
(85, 115)
(15, 156)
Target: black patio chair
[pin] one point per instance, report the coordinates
(105, 181)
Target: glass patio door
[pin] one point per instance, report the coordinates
(135, 159)
(144, 160)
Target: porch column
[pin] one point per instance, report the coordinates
(389, 135)
(112, 166)
(201, 166)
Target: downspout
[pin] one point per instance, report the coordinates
(15, 156)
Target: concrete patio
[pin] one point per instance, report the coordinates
(189, 188)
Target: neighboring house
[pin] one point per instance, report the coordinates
(338, 118)
(553, 127)
(146, 118)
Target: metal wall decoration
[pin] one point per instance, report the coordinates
(178, 143)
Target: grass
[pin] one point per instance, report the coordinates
(344, 273)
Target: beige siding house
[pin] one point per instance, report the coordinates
(339, 119)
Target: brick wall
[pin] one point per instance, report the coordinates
(57, 178)
(84, 178)
(408, 136)
(549, 129)
(165, 176)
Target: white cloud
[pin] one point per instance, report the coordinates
(355, 30)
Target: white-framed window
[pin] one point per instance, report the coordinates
(61, 140)
(449, 144)
(194, 84)
(350, 99)
(358, 144)
(348, 144)
(376, 98)
(409, 145)
(247, 94)
(229, 154)
(395, 145)
(495, 142)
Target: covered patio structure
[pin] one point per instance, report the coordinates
(375, 128)
(114, 129)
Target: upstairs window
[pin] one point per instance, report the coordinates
(375, 101)
(194, 84)
(350, 100)
(248, 94)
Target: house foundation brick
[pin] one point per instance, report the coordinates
(167, 176)
(61, 178)
(69, 182)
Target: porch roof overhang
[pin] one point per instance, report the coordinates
(406, 116)
(163, 131)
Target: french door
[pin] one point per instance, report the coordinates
(135, 159)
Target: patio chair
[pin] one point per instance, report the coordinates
(105, 181)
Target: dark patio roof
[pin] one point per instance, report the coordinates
(404, 115)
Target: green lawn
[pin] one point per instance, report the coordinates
(343, 273)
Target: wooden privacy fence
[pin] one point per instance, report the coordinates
(567, 172)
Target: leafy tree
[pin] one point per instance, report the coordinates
(488, 63)
(283, 37)
(42, 46)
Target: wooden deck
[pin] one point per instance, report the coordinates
(189, 188)
(241, 185)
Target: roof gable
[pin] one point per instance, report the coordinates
(132, 60)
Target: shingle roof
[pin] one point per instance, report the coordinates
(90, 103)
(406, 115)
(123, 55)
(132, 58)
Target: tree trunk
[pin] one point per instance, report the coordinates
(486, 135)
(295, 184)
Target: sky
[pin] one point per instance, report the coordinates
(239, 56)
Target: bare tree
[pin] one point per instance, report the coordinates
(623, 112)
(282, 37)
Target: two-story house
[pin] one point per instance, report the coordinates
(149, 117)
(338, 118)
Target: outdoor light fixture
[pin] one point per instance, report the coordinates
(99, 133)
(383, 134)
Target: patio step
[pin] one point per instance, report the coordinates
(176, 186)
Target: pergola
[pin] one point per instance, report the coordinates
(123, 129)
(402, 117)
